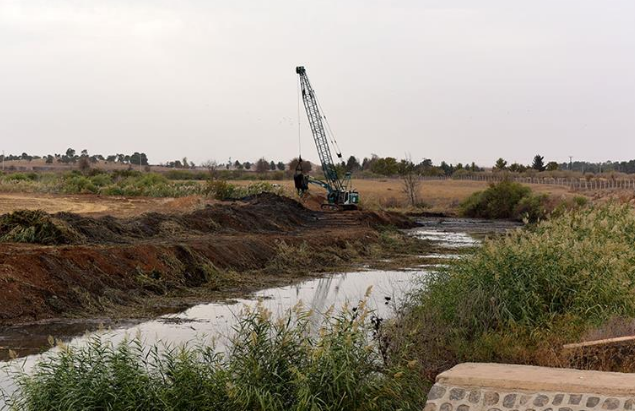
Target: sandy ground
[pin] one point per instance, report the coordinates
(87, 204)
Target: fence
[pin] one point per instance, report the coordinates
(573, 184)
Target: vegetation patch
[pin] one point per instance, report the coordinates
(511, 200)
(517, 299)
(26, 226)
(270, 364)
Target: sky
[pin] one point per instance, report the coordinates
(459, 81)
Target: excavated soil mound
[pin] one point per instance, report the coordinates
(256, 214)
(89, 264)
(262, 213)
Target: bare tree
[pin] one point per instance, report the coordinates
(212, 169)
(411, 181)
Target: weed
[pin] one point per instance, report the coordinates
(270, 364)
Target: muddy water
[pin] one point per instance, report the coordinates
(214, 321)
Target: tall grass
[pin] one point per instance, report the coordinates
(518, 298)
(270, 364)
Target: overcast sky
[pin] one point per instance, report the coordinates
(449, 80)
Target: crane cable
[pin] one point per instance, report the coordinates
(338, 151)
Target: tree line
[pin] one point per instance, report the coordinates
(71, 157)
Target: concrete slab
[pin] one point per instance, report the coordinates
(526, 378)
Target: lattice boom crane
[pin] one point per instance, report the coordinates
(340, 194)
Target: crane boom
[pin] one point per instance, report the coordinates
(339, 192)
(317, 128)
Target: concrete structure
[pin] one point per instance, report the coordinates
(503, 387)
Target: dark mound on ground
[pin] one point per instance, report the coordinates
(262, 213)
(27, 226)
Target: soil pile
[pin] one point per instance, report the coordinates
(26, 226)
(262, 213)
(91, 265)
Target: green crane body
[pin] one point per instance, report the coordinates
(339, 192)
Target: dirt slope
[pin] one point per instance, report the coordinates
(109, 261)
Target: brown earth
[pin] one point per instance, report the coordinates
(112, 263)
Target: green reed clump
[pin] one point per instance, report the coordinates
(286, 364)
(536, 287)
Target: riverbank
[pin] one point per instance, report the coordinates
(216, 321)
(136, 267)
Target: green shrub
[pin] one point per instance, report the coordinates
(498, 201)
(270, 365)
(78, 184)
(20, 177)
(220, 189)
(101, 180)
(532, 208)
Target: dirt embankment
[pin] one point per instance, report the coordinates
(90, 266)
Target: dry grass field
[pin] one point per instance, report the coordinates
(439, 196)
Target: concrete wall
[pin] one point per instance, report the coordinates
(502, 387)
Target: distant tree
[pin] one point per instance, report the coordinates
(247, 165)
(212, 169)
(387, 166)
(70, 153)
(84, 164)
(84, 153)
(262, 165)
(352, 164)
(517, 168)
(121, 158)
(426, 164)
(178, 164)
(272, 166)
(538, 163)
(192, 164)
(49, 159)
(185, 162)
(500, 165)
(111, 158)
(280, 166)
(306, 165)
(367, 163)
(139, 159)
(459, 166)
(448, 169)
(552, 166)
(237, 164)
